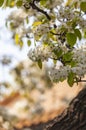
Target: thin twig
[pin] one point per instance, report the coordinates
(81, 81)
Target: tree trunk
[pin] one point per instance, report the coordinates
(74, 117)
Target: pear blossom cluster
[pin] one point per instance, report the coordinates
(80, 57)
(53, 3)
(40, 53)
(41, 30)
(44, 53)
(53, 23)
(67, 16)
(57, 74)
(63, 14)
(17, 17)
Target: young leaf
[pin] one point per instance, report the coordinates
(67, 56)
(55, 61)
(27, 20)
(19, 3)
(70, 79)
(21, 43)
(58, 53)
(42, 2)
(83, 6)
(36, 23)
(28, 42)
(12, 3)
(71, 39)
(1, 2)
(78, 33)
(17, 39)
(28, 0)
(40, 64)
(85, 34)
(72, 63)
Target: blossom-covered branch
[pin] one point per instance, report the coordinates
(58, 36)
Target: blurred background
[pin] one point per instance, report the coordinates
(28, 98)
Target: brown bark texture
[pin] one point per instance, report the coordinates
(74, 117)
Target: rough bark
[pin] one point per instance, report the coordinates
(74, 117)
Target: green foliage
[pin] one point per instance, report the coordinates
(40, 64)
(58, 53)
(67, 57)
(71, 78)
(83, 6)
(29, 42)
(56, 28)
(78, 33)
(21, 43)
(71, 39)
(36, 23)
(1, 2)
(17, 39)
(72, 63)
(10, 3)
(43, 2)
(84, 33)
(28, 0)
(19, 3)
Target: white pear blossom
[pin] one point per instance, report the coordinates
(41, 29)
(38, 53)
(51, 21)
(17, 17)
(80, 69)
(54, 3)
(42, 52)
(58, 74)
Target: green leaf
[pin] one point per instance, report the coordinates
(19, 3)
(17, 39)
(85, 34)
(36, 23)
(83, 6)
(11, 3)
(28, 42)
(55, 61)
(27, 20)
(21, 43)
(40, 64)
(8, 2)
(74, 24)
(1, 2)
(78, 33)
(70, 79)
(72, 63)
(28, 0)
(43, 2)
(67, 56)
(58, 53)
(71, 39)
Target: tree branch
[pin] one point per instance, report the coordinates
(32, 4)
(79, 80)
